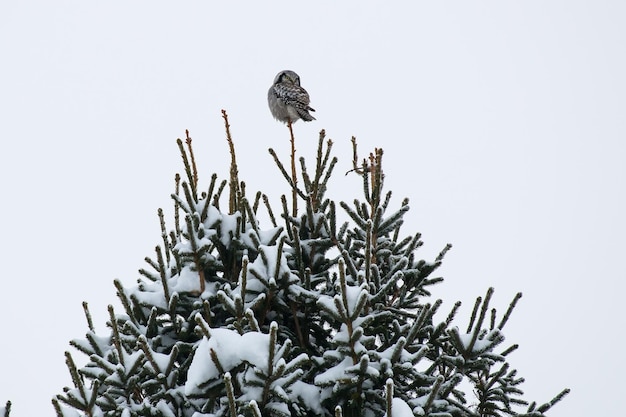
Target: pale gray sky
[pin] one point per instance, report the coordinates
(503, 122)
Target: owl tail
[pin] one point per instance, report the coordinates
(305, 115)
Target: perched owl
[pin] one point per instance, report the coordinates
(287, 100)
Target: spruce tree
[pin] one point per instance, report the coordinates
(304, 316)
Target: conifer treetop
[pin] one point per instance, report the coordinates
(304, 316)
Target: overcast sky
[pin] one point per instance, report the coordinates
(502, 122)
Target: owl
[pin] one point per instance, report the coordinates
(287, 100)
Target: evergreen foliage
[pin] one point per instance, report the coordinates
(4, 411)
(304, 317)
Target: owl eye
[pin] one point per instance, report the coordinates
(290, 78)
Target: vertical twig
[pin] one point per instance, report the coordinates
(194, 170)
(294, 191)
(234, 171)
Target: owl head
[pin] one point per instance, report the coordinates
(287, 77)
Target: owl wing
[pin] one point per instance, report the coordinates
(293, 96)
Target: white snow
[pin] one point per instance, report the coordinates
(213, 214)
(266, 235)
(310, 395)
(480, 344)
(334, 374)
(228, 227)
(162, 361)
(231, 349)
(399, 408)
(352, 294)
(187, 281)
